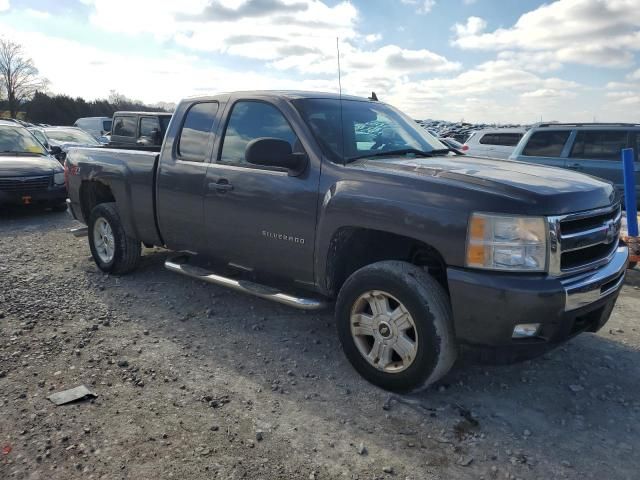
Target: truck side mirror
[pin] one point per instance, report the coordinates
(274, 152)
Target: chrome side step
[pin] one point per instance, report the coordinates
(180, 264)
(79, 231)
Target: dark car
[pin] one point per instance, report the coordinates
(28, 173)
(311, 198)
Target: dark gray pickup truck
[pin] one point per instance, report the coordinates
(309, 198)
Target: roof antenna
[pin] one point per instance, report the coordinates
(373, 97)
(344, 161)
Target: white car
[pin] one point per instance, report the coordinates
(493, 143)
(99, 127)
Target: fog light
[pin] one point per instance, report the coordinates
(525, 330)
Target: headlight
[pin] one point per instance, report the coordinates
(501, 242)
(58, 178)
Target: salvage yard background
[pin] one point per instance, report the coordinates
(194, 381)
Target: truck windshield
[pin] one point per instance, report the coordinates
(19, 140)
(363, 129)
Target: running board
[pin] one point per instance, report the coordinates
(180, 264)
(79, 231)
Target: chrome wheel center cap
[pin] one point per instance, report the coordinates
(384, 329)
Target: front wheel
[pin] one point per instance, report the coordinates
(395, 324)
(111, 248)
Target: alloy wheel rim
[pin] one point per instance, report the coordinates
(384, 331)
(103, 240)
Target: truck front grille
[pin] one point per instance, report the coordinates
(583, 241)
(24, 184)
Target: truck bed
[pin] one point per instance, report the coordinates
(131, 177)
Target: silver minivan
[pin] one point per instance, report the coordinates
(591, 148)
(493, 143)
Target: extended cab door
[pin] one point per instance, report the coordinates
(181, 174)
(260, 218)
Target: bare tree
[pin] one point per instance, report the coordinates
(19, 77)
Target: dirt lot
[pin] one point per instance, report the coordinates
(195, 382)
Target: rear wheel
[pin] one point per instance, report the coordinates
(394, 323)
(111, 248)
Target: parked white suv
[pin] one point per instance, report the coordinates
(494, 143)
(99, 127)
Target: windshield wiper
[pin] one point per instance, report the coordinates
(387, 153)
(441, 151)
(14, 152)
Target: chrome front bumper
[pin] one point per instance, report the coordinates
(587, 288)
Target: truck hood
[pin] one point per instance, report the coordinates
(24, 166)
(549, 188)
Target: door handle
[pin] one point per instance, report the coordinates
(221, 186)
(575, 166)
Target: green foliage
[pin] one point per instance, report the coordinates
(64, 110)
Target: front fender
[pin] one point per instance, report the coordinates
(419, 215)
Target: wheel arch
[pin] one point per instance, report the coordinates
(94, 192)
(351, 248)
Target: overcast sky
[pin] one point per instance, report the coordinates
(481, 60)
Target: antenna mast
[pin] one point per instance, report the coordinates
(340, 99)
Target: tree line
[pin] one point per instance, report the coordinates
(23, 90)
(64, 110)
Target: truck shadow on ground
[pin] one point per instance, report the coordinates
(570, 409)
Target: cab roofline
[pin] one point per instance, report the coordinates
(283, 94)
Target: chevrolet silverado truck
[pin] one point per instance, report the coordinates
(424, 253)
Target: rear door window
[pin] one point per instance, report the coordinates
(193, 143)
(501, 139)
(150, 129)
(600, 144)
(106, 125)
(124, 127)
(489, 139)
(546, 143)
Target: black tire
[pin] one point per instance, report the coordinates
(127, 250)
(429, 306)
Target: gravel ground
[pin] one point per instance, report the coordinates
(197, 382)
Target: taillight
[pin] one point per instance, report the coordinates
(66, 175)
(465, 148)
